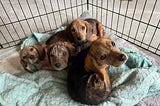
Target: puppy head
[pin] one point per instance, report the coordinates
(59, 55)
(78, 30)
(105, 52)
(32, 54)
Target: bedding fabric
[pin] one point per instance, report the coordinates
(45, 88)
(131, 82)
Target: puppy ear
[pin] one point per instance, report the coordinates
(49, 49)
(100, 29)
(73, 51)
(68, 32)
(40, 51)
(89, 30)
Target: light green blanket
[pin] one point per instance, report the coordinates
(133, 81)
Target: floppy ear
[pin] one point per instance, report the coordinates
(100, 29)
(40, 51)
(68, 32)
(89, 30)
(24, 64)
(72, 50)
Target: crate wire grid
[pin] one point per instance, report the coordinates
(136, 21)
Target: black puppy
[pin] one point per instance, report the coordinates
(85, 87)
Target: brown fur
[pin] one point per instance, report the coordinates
(79, 28)
(80, 32)
(100, 57)
(59, 36)
(88, 79)
(36, 55)
(61, 53)
(87, 30)
(84, 32)
(97, 29)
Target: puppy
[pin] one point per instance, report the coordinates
(85, 30)
(59, 36)
(97, 29)
(88, 80)
(60, 55)
(103, 53)
(34, 58)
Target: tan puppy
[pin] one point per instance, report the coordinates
(34, 58)
(85, 30)
(60, 54)
(100, 57)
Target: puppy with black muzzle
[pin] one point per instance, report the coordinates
(60, 55)
(34, 58)
(88, 80)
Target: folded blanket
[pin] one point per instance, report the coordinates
(44, 88)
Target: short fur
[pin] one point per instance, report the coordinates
(35, 55)
(80, 32)
(85, 31)
(103, 53)
(88, 80)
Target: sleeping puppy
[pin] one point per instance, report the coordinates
(61, 54)
(83, 32)
(88, 80)
(34, 58)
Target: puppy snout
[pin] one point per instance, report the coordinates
(58, 65)
(79, 37)
(31, 57)
(122, 57)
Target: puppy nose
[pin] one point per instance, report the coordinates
(78, 37)
(31, 57)
(122, 57)
(58, 65)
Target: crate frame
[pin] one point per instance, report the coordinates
(89, 5)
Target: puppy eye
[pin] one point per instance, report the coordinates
(31, 49)
(83, 27)
(103, 57)
(113, 44)
(23, 57)
(72, 30)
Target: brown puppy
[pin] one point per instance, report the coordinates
(59, 36)
(88, 81)
(97, 29)
(80, 32)
(34, 58)
(60, 54)
(103, 53)
(85, 30)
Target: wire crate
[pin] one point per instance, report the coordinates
(136, 21)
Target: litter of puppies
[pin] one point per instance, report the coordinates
(86, 52)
